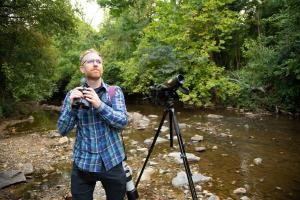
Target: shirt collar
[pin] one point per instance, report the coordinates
(104, 85)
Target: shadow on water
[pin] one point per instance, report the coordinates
(232, 143)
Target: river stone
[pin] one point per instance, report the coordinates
(213, 116)
(163, 129)
(51, 107)
(140, 121)
(133, 142)
(147, 174)
(257, 161)
(278, 188)
(26, 168)
(181, 179)
(261, 180)
(200, 149)
(197, 138)
(224, 135)
(99, 191)
(251, 115)
(63, 140)
(215, 147)
(174, 137)
(152, 163)
(143, 150)
(213, 197)
(240, 191)
(53, 134)
(153, 116)
(158, 141)
(244, 198)
(30, 119)
(198, 188)
(132, 151)
(183, 125)
(178, 159)
(11, 177)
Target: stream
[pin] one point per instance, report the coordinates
(232, 141)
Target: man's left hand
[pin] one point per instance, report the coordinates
(92, 97)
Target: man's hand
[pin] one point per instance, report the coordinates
(76, 93)
(92, 97)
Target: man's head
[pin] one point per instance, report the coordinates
(91, 64)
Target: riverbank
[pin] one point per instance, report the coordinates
(241, 153)
(42, 151)
(48, 155)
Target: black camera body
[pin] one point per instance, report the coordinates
(163, 93)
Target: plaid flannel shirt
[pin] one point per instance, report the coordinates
(97, 135)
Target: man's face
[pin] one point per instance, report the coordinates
(91, 66)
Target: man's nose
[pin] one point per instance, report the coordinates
(95, 63)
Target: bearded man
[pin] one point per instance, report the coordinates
(98, 152)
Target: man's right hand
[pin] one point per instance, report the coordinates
(76, 93)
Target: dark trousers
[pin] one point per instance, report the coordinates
(113, 181)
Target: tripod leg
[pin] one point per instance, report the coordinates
(183, 155)
(152, 146)
(171, 129)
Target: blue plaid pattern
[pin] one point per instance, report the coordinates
(98, 141)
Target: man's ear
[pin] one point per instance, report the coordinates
(82, 69)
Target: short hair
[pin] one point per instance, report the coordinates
(83, 54)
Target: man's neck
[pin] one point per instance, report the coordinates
(94, 83)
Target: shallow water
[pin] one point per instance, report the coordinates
(274, 139)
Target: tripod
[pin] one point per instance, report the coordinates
(173, 121)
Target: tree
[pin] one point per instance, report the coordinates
(27, 58)
(273, 59)
(183, 38)
(120, 34)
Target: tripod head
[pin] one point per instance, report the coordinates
(166, 93)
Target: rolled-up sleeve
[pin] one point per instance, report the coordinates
(116, 115)
(67, 118)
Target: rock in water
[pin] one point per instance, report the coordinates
(257, 161)
(11, 177)
(240, 191)
(177, 156)
(181, 179)
(213, 116)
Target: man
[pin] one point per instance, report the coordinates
(98, 152)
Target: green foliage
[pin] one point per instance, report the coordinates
(116, 6)
(271, 77)
(26, 72)
(119, 37)
(147, 42)
(27, 56)
(69, 46)
(182, 39)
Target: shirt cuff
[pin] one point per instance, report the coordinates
(71, 111)
(101, 107)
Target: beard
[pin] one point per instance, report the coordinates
(93, 76)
